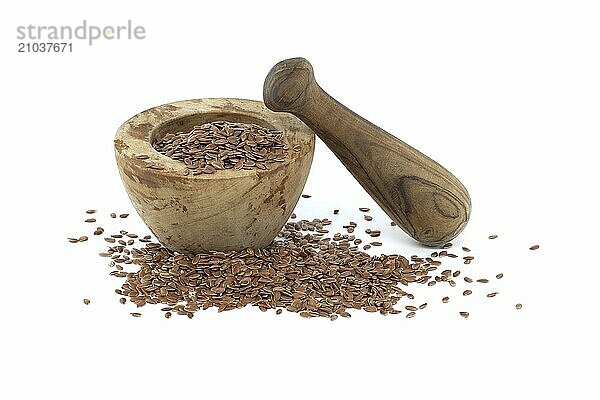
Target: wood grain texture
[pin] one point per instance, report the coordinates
(227, 210)
(422, 197)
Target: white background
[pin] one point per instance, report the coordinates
(505, 94)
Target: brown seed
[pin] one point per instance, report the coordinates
(467, 292)
(73, 240)
(483, 280)
(122, 300)
(90, 220)
(279, 311)
(336, 212)
(82, 239)
(422, 306)
(368, 218)
(492, 236)
(411, 314)
(113, 215)
(445, 299)
(499, 276)
(168, 315)
(123, 215)
(136, 314)
(370, 309)
(464, 314)
(376, 243)
(411, 308)
(90, 211)
(493, 294)
(86, 301)
(306, 196)
(534, 247)
(447, 245)
(466, 249)
(364, 209)
(518, 306)
(468, 280)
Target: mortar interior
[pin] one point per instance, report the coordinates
(187, 122)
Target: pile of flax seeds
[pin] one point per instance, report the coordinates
(306, 270)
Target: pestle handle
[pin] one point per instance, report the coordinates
(422, 197)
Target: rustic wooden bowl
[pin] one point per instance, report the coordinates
(227, 210)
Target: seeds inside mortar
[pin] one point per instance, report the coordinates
(224, 145)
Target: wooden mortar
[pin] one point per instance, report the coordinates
(227, 210)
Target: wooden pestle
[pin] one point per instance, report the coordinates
(417, 193)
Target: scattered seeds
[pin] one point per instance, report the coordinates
(302, 271)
